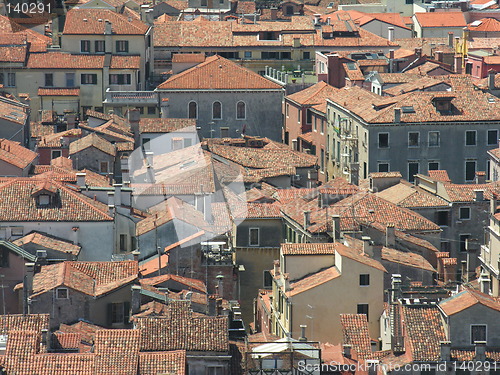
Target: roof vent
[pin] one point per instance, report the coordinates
(99, 20)
(85, 20)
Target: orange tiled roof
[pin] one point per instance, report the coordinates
(86, 330)
(13, 153)
(312, 281)
(437, 19)
(406, 258)
(439, 175)
(308, 248)
(466, 299)
(125, 62)
(29, 322)
(11, 112)
(92, 21)
(355, 333)
(63, 60)
(315, 94)
(92, 140)
(407, 195)
(165, 125)
(13, 54)
(360, 257)
(54, 140)
(18, 203)
(217, 73)
(484, 24)
(58, 91)
(188, 282)
(188, 58)
(49, 242)
(91, 278)
(466, 192)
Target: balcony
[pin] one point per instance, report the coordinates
(131, 98)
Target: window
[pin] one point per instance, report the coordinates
(119, 79)
(215, 371)
(268, 280)
(49, 80)
(55, 154)
(70, 80)
(470, 170)
(4, 257)
(364, 279)
(99, 46)
(85, 46)
(477, 333)
(322, 160)
(177, 144)
(464, 213)
(248, 54)
(253, 236)
(383, 167)
(322, 129)
(8, 79)
(151, 110)
(224, 132)
(88, 79)
(363, 309)
(413, 139)
(62, 293)
(413, 168)
(298, 115)
(492, 138)
(383, 140)
(118, 313)
(306, 55)
(103, 167)
(123, 242)
(470, 138)
(308, 116)
(241, 111)
(192, 110)
(463, 242)
(203, 3)
(442, 218)
(145, 143)
(287, 110)
(216, 111)
(433, 166)
(122, 46)
(17, 231)
(289, 10)
(433, 139)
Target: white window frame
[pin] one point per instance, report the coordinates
(250, 236)
(60, 290)
(388, 140)
(429, 138)
(460, 213)
(100, 166)
(418, 141)
(475, 138)
(364, 285)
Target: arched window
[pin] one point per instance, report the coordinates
(192, 110)
(241, 111)
(216, 111)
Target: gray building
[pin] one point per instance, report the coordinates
(226, 100)
(412, 133)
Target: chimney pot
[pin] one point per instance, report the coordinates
(346, 349)
(307, 219)
(491, 79)
(445, 350)
(397, 115)
(303, 333)
(390, 33)
(390, 235)
(336, 233)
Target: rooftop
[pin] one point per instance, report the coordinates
(435, 19)
(467, 298)
(13, 153)
(49, 242)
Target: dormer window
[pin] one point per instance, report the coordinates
(45, 194)
(269, 35)
(44, 200)
(443, 104)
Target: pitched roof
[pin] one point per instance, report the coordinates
(92, 140)
(49, 242)
(313, 280)
(63, 60)
(437, 19)
(186, 281)
(19, 322)
(13, 153)
(166, 125)
(466, 192)
(217, 73)
(484, 24)
(439, 175)
(467, 298)
(355, 333)
(10, 111)
(91, 278)
(406, 258)
(19, 204)
(308, 248)
(92, 21)
(58, 91)
(358, 256)
(315, 94)
(410, 196)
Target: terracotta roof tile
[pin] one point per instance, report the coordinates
(91, 278)
(435, 19)
(409, 196)
(13, 54)
(355, 333)
(49, 242)
(439, 175)
(12, 113)
(358, 256)
(13, 153)
(29, 322)
(117, 351)
(188, 58)
(58, 91)
(172, 363)
(125, 62)
(54, 140)
(386, 175)
(466, 299)
(85, 329)
(466, 192)
(62, 60)
(464, 355)
(406, 258)
(312, 281)
(92, 140)
(92, 21)
(308, 248)
(217, 73)
(165, 125)
(314, 94)
(186, 281)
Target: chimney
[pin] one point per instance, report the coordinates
(276, 267)
(212, 305)
(336, 228)
(80, 179)
(303, 333)
(445, 350)
(71, 120)
(136, 254)
(484, 283)
(438, 55)
(367, 246)
(390, 33)
(397, 115)
(480, 351)
(220, 284)
(111, 203)
(493, 204)
(317, 19)
(274, 13)
(45, 339)
(391, 61)
(218, 306)
(395, 286)
(286, 278)
(107, 27)
(135, 304)
(491, 79)
(346, 350)
(418, 52)
(457, 62)
(28, 286)
(207, 208)
(450, 39)
(125, 171)
(118, 194)
(390, 235)
(307, 219)
(134, 117)
(328, 20)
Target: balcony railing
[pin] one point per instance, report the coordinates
(131, 97)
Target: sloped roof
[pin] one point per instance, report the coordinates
(166, 125)
(91, 278)
(437, 19)
(13, 153)
(217, 73)
(356, 255)
(311, 281)
(63, 60)
(49, 242)
(315, 94)
(467, 298)
(92, 140)
(484, 24)
(410, 196)
(308, 248)
(186, 281)
(20, 322)
(355, 333)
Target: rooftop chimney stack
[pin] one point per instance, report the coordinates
(396, 287)
(491, 79)
(390, 33)
(397, 115)
(274, 13)
(457, 64)
(346, 349)
(317, 19)
(118, 194)
(336, 228)
(450, 39)
(307, 219)
(28, 286)
(493, 204)
(484, 283)
(445, 350)
(480, 351)
(390, 236)
(135, 304)
(367, 246)
(303, 333)
(80, 179)
(276, 267)
(134, 117)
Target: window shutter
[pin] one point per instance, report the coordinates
(126, 312)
